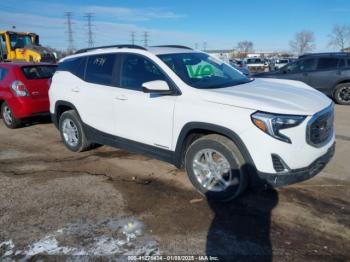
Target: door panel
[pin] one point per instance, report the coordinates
(143, 117)
(326, 75)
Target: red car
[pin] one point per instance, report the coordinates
(24, 91)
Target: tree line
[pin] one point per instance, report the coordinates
(304, 41)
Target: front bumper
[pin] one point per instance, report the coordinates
(267, 180)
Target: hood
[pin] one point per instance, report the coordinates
(271, 95)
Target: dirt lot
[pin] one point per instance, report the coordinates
(109, 202)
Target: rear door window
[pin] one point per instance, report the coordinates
(100, 69)
(327, 63)
(38, 72)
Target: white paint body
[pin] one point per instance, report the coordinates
(158, 121)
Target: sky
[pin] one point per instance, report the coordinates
(269, 24)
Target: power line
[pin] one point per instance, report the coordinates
(69, 23)
(132, 38)
(145, 38)
(90, 40)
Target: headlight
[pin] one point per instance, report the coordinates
(271, 124)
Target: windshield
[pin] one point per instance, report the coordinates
(20, 41)
(254, 61)
(202, 71)
(38, 72)
(282, 61)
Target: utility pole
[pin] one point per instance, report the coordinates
(146, 36)
(69, 23)
(89, 25)
(133, 38)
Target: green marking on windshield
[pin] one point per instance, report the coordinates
(199, 71)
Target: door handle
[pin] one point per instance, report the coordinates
(121, 97)
(75, 90)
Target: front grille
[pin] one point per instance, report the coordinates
(320, 127)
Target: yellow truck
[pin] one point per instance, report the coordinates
(23, 46)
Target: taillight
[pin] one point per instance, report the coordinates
(19, 88)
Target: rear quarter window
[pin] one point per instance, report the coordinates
(76, 66)
(38, 72)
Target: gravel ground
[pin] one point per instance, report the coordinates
(108, 203)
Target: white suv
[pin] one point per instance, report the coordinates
(194, 111)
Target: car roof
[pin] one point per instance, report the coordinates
(156, 50)
(336, 54)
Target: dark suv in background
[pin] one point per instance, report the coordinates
(326, 72)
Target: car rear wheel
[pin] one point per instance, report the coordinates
(9, 119)
(215, 167)
(72, 132)
(342, 94)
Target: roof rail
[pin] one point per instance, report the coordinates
(174, 46)
(326, 53)
(109, 46)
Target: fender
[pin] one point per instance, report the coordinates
(191, 126)
(54, 116)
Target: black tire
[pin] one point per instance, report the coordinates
(7, 116)
(342, 94)
(82, 143)
(230, 151)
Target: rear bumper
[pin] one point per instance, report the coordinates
(27, 106)
(267, 180)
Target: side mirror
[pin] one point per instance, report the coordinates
(157, 86)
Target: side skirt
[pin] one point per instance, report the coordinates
(102, 138)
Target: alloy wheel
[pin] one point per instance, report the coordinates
(213, 171)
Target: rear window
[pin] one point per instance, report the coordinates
(254, 61)
(38, 72)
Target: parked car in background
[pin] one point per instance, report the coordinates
(326, 72)
(281, 62)
(240, 65)
(194, 111)
(257, 65)
(24, 91)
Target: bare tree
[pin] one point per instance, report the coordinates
(340, 37)
(303, 42)
(244, 47)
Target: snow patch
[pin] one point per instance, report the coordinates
(112, 238)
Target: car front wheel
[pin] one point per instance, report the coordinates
(215, 167)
